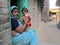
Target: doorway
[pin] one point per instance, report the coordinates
(13, 2)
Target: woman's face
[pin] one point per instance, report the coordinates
(15, 13)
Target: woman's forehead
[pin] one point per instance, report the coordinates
(15, 10)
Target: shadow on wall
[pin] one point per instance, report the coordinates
(40, 4)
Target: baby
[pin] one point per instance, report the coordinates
(25, 15)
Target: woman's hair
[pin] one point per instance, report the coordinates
(13, 7)
(24, 9)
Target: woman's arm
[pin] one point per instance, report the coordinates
(21, 29)
(17, 28)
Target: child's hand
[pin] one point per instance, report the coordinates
(27, 19)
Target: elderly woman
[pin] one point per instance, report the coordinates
(19, 34)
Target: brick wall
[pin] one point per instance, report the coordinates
(4, 23)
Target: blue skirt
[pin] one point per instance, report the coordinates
(26, 38)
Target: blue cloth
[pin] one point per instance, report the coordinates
(26, 38)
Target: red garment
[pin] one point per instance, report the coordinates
(29, 23)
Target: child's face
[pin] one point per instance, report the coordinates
(15, 13)
(24, 11)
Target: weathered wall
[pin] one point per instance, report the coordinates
(35, 13)
(45, 11)
(4, 23)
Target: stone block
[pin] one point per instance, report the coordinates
(5, 40)
(4, 19)
(4, 11)
(4, 3)
(0, 4)
(5, 26)
(4, 33)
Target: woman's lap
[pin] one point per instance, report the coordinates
(25, 38)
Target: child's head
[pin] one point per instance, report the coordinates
(24, 10)
(14, 11)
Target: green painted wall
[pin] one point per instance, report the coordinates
(10, 17)
(21, 4)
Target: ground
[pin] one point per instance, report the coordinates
(48, 34)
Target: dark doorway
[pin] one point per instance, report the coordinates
(13, 2)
